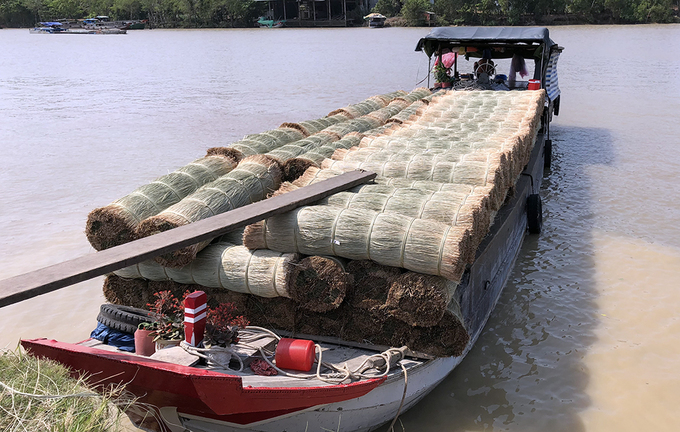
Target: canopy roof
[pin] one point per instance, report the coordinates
(484, 35)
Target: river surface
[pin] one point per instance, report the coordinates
(586, 334)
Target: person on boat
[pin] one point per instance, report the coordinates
(485, 64)
(517, 65)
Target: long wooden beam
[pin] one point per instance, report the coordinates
(48, 279)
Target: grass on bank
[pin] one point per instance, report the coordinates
(40, 395)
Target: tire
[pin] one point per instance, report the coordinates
(534, 213)
(123, 318)
(547, 154)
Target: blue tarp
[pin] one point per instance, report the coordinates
(109, 336)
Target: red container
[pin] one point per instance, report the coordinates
(144, 344)
(295, 354)
(534, 84)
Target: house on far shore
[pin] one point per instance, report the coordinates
(318, 13)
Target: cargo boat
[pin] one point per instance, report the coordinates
(194, 398)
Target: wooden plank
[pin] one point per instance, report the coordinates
(48, 279)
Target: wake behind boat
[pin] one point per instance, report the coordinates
(392, 280)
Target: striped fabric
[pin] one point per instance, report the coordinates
(552, 86)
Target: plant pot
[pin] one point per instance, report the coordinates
(166, 343)
(437, 85)
(446, 85)
(144, 344)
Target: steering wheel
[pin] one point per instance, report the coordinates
(487, 68)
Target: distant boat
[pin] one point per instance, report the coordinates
(54, 27)
(375, 20)
(265, 23)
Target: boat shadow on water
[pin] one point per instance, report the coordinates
(527, 371)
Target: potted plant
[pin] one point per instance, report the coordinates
(144, 344)
(221, 328)
(168, 328)
(441, 75)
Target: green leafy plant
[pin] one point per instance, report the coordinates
(441, 73)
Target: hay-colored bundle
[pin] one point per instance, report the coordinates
(317, 155)
(295, 167)
(491, 172)
(234, 237)
(253, 180)
(390, 239)
(310, 127)
(266, 141)
(263, 273)
(319, 283)
(419, 299)
(289, 151)
(116, 223)
(128, 292)
(372, 283)
(450, 208)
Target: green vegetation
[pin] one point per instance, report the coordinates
(531, 12)
(243, 13)
(160, 13)
(30, 401)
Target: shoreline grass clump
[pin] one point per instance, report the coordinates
(40, 395)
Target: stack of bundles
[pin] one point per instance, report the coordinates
(263, 142)
(294, 168)
(315, 283)
(364, 107)
(117, 222)
(408, 112)
(460, 208)
(253, 180)
(483, 170)
(387, 307)
(386, 238)
(289, 151)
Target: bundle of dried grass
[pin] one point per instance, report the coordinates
(263, 273)
(117, 222)
(310, 127)
(295, 167)
(289, 151)
(448, 338)
(389, 239)
(128, 292)
(372, 282)
(450, 208)
(253, 180)
(469, 172)
(276, 313)
(319, 283)
(418, 299)
(267, 141)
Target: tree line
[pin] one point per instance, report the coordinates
(243, 13)
(160, 13)
(530, 12)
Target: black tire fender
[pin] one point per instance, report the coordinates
(547, 154)
(123, 318)
(534, 213)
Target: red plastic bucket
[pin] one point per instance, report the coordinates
(295, 354)
(534, 84)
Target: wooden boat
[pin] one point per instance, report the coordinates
(186, 397)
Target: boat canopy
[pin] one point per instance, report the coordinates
(50, 24)
(515, 39)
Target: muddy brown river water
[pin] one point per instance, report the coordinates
(586, 334)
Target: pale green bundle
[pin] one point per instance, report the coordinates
(263, 273)
(117, 222)
(289, 151)
(263, 142)
(322, 152)
(407, 113)
(315, 175)
(389, 239)
(253, 180)
(449, 208)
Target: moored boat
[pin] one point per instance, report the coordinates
(199, 398)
